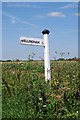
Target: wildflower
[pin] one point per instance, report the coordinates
(76, 111)
(40, 98)
(44, 105)
(13, 72)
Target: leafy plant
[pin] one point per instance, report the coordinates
(25, 94)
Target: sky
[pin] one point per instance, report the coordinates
(40, 0)
(29, 19)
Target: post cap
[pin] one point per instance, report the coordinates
(45, 31)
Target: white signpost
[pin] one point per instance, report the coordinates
(31, 41)
(41, 42)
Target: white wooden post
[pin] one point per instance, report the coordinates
(44, 43)
(46, 55)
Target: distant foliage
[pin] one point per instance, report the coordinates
(25, 94)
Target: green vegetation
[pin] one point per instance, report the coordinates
(26, 95)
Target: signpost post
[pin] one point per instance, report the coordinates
(46, 55)
(41, 42)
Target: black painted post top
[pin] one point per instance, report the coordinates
(45, 31)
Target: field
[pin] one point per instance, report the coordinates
(25, 94)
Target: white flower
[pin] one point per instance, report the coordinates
(76, 111)
(44, 105)
(40, 98)
(13, 72)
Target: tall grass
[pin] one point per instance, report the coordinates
(26, 95)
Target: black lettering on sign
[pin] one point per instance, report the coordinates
(30, 41)
(23, 40)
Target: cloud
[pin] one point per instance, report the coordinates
(14, 20)
(51, 14)
(72, 5)
(21, 5)
(40, 16)
(56, 14)
(77, 14)
(25, 22)
(67, 6)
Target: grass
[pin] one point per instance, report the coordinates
(25, 94)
